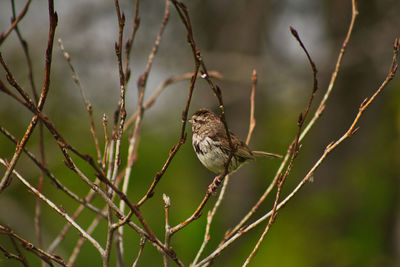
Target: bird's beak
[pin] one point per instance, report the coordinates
(191, 121)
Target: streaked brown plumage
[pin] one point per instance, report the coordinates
(211, 143)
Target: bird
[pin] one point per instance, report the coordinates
(211, 144)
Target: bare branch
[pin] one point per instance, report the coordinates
(49, 51)
(160, 89)
(167, 204)
(20, 257)
(129, 42)
(322, 104)
(75, 215)
(210, 217)
(328, 149)
(176, 147)
(54, 180)
(252, 124)
(88, 105)
(29, 246)
(15, 21)
(306, 129)
(58, 210)
(141, 247)
(293, 149)
(81, 240)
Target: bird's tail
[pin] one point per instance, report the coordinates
(266, 154)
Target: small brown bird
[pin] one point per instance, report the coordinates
(211, 144)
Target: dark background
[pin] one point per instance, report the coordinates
(349, 215)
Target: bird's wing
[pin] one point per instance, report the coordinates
(242, 150)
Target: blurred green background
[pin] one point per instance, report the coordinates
(349, 215)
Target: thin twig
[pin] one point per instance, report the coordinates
(25, 48)
(22, 92)
(293, 150)
(24, 45)
(351, 130)
(317, 114)
(109, 239)
(184, 15)
(211, 214)
(141, 247)
(88, 105)
(271, 220)
(75, 215)
(20, 255)
(54, 180)
(167, 204)
(322, 104)
(106, 142)
(117, 133)
(185, 18)
(120, 112)
(11, 80)
(135, 209)
(134, 139)
(39, 186)
(141, 89)
(45, 89)
(47, 257)
(10, 255)
(196, 214)
(210, 217)
(63, 213)
(15, 21)
(210, 190)
(81, 240)
(129, 42)
(176, 147)
(160, 89)
(63, 232)
(252, 123)
(64, 146)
